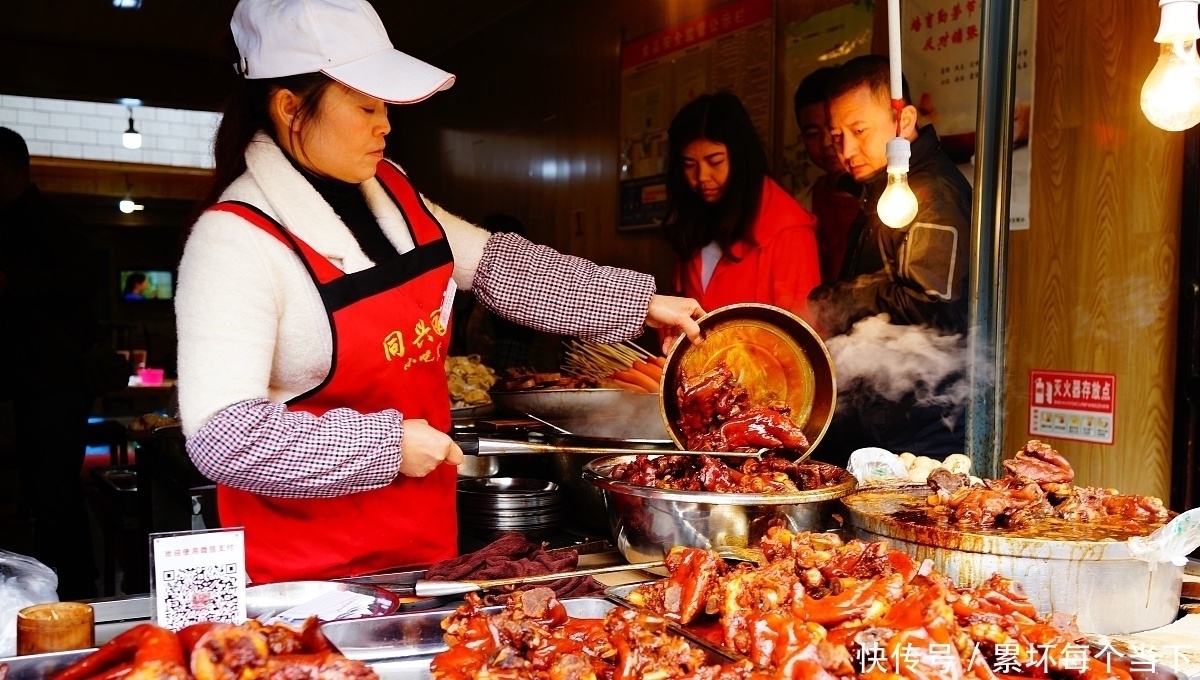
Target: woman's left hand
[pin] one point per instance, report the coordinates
(676, 315)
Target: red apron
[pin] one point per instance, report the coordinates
(389, 350)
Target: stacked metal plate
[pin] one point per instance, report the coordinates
(494, 505)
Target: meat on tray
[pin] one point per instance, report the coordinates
(716, 413)
(1036, 485)
(821, 608)
(533, 638)
(770, 474)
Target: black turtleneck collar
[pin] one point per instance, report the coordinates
(348, 202)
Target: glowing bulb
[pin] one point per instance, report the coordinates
(898, 204)
(1171, 95)
(131, 140)
(128, 206)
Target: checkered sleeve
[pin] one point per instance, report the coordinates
(261, 447)
(539, 287)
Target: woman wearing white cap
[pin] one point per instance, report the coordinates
(314, 298)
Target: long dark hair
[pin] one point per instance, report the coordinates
(246, 114)
(690, 223)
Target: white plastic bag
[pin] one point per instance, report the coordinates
(1171, 543)
(23, 582)
(873, 465)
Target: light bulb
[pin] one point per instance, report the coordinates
(131, 140)
(1171, 95)
(898, 204)
(128, 206)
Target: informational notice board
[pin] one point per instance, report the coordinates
(1079, 406)
(940, 39)
(730, 48)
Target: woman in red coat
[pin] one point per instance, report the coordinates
(739, 236)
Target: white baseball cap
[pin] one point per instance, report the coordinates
(344, 39)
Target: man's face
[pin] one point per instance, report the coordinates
(861, 125)
(814, 131)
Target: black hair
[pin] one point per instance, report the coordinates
(14, 153)
(132, 281)
(503, 223)
(690, 223)
(812, 89)
(873, 70)
(247, 112)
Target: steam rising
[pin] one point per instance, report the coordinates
(877, 359)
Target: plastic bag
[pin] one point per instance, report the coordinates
(23, 582)
(1171, 543)
(875, 465)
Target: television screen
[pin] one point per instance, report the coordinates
(147, 284)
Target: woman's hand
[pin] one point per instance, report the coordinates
(424, 447)
(676, 315)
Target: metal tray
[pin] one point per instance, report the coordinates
(272, 598)
(39, 666)
(1133, 665)
(400, 647)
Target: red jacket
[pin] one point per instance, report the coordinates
(780, 270)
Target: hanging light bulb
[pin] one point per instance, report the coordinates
(127, 205)
(898, 204)
(1171, 94)
(131, 138)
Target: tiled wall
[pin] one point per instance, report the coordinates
(61, 128)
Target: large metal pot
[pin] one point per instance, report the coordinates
(599, 412)
(584, 500)
(1097, 582)
(647, 522)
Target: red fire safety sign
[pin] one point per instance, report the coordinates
(1078, 406)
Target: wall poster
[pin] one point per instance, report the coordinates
(1066, 405)
(730, 48)
(825, 39)
(941, 62)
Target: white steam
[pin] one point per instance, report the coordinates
(877, 359)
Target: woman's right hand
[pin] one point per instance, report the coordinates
(424, 447)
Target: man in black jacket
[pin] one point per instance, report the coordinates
(45, 326)
(916, 274)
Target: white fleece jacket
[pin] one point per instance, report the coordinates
(251, 324)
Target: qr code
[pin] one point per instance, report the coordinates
(196, 594)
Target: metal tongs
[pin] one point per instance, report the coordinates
(424, 588)
(474, 445)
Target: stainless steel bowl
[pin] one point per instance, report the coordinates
(647, 522)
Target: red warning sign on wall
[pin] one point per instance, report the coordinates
(1079, 406)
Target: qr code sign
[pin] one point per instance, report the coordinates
(202, 593)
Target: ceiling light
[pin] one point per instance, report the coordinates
(127, 4)
(128, 206)
(129, 101)
(131, 138)
(1171, 94)
(898, 204)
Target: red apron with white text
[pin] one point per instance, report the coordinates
(389, 349)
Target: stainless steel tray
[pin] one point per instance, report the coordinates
(400, 647)
(40, 666)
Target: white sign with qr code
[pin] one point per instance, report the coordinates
(199, 576)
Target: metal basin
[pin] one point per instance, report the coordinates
(771, 352)
(599, 412)
(1096, 581)
(647, 522)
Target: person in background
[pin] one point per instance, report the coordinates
(834, 207)
(45, 326)
(739, 236)
(917, 274)
(314, 298)
(135, 286)
(500, 343)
